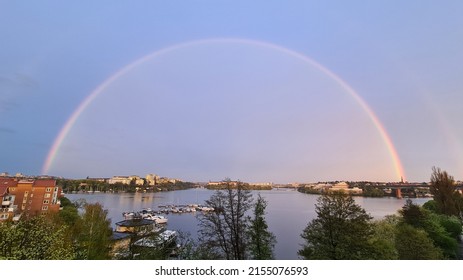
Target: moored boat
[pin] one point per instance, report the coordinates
(163, 238)
(156, 218)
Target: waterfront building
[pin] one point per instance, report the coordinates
(152, 179)
(127, 180)
(165, 180)
(262, 185)
(322, 186)
(220, 183)
(343, 186)
(29, 197)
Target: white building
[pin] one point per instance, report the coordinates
(343, 186)
(126, 180)
(152, 179)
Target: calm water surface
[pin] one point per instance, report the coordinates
(288, 211)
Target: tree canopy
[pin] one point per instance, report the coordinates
(35, 238)
(93, 233)
(442, 230)
(262, 241)
(223, 231)
(448, 200)
(340, 231)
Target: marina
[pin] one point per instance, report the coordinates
(287, 212)
(157, 215)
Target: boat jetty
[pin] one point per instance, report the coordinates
(157, 215)
(179, 209)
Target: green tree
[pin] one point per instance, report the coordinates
(383, 238)
(262, 241)
(413, 214)
(36, 238)
(443, 189)
(414, 244)
(440, 236)
(69, 214)
(452, 225)
(341, 230)
(431, 205)
(93, 233)
(371, 191)
(223, 232)
(435, 227)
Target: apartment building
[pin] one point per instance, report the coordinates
(126, 180)
(29, 197)
(8, 207)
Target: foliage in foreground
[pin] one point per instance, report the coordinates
(63, 236)
(92, 233)
(228, 232)
(341, 230)
(447, 200)
(37, 238)
(442, 230)
(261, 240)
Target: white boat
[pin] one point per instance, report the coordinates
(163, 238)
(160, 219)
(129, 215)
(157, 218)
(206, 209)
(168, 235)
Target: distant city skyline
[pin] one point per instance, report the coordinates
(151, 178)
(264, 91)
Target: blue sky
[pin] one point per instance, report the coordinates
(232, 110)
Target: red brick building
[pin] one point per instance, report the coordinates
(8, 208)
(30, 196)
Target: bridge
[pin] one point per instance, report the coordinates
(423, 189)
(410, 189)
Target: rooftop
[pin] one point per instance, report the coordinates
(3, 190)
(45, 183)
(8, 182)
(120, 235)
(135, 223)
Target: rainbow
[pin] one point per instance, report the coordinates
(90, 98)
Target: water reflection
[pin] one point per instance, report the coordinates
(288, 211)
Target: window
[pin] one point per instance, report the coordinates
(46, 201)
(3, 216)
(48, 190)
(44, 208)
(47, 195)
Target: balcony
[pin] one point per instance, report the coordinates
(5, 210)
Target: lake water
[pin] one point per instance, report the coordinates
(288, 211)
